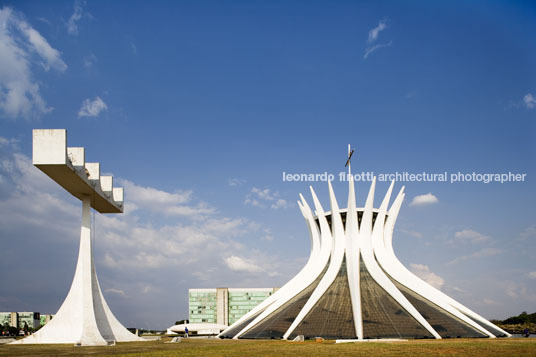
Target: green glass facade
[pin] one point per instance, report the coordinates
(204, 303)
(5, 318)
(242, 302)
(29, 319)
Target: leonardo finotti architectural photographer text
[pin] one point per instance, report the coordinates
(409, 177)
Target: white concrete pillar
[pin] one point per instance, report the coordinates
(84, 318)
(222, 306)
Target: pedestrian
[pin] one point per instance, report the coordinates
(186, 331)
(526, 332)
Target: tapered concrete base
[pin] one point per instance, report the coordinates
(84, 318)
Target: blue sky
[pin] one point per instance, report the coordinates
(198, 107)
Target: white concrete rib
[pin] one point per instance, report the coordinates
(334, 264)
(366, 233)
(352, 259)
(390, 263)
(320, 253)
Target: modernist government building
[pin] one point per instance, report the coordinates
(224, 306)
(354, 287)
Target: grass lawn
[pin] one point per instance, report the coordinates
(216, 347)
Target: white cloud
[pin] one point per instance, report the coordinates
(242, 264)
(263, 197)
(482, 253)
(132, 243)
(373, 34)
(34, 200)
(6, 142)
(171, 204)
(532, 275)
(529, 232)
(468, 235)
(21, 47)
(92, 108)
(279, 203)
(423, 272)
(90, 60)
(265, 194)
(486, 252)
(150, 195)
(268, 235)
(488, 301)
(115, 291)
(512, 290)
(422, 200)
(236, 182)
(371, 49)
(72, 23)
(43, 20)
(529, 101)
(519, 291)
(412, 233)
(51, 57)
(411, 94)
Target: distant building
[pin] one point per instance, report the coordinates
(224, 306)
(9, 318)
(31, 319)
(20, 319)
(45, 319)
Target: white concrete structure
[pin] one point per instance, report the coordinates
(84, 318)
(197, 329)
(354, 287)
